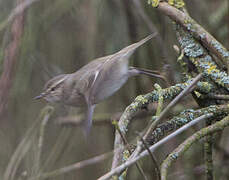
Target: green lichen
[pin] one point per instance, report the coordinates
(220, 49)
(199, 57)
(176, 3)
(160, 99)
(198, 95)
(115, 124)
(182, 148)
(190, 47)
(182, 63)
(154, 3)
(183, 118)
(205, 87)
(190, 25)
(174, 156)
(126, 155)
(167, 94)
(141, 99)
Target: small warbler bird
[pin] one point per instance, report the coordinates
(95, 81)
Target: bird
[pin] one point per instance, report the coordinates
(94, 82)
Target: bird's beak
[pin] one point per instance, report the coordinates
(39, 97)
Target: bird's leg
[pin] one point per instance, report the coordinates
(133, 71)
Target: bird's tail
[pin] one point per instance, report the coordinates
(128, 51)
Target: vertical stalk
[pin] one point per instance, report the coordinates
(10, 59)
(208, 154)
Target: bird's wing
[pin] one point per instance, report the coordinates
(111, 63)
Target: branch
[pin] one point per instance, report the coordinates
(208, 146)
(153, 158)
(183, 118)
(201, 58)
(187, 90)
(124, 139)
(72, 167)
(128, 163)
(182, 148)
(196, 30)
(142, 101)
(216, 96)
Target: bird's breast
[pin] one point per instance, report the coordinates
(108, 88)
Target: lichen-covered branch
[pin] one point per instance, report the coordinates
(187, 90)
(191, 36)
(182, 148)
(201, 59)
(183, 118)
(192, 49)
(142, 101)
(196, 31)
(152, 148)
(162, 115)
(124, 139)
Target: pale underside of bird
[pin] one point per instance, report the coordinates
(95, 81)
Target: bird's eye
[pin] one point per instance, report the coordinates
(53, 89)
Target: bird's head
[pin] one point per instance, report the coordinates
(53, 89)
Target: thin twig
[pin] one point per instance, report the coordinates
(157, 169)
(208, 146)
(187, 90)
(183, 118)
(182, 148)
(72, 167)
(128, 163)
(129, 149)
(25, 144)
(216, 96)
(152, 127)
(40, 143)
(141, 101)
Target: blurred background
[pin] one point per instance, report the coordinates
(56, 36)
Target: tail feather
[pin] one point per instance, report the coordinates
(88, 121)
(145, 40)
(129, 50)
